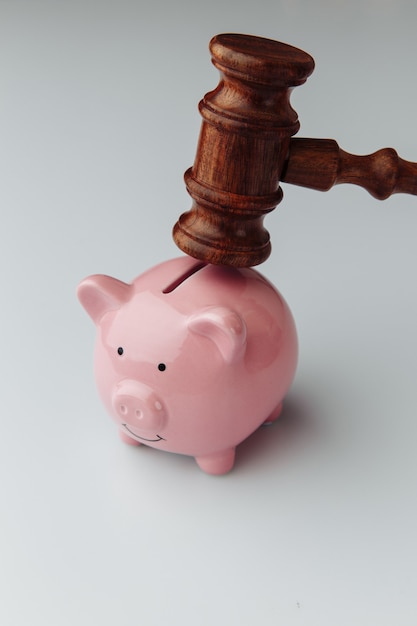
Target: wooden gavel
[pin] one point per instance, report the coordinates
(246, 148)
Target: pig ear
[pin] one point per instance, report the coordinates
(224, 327)
(99, 294)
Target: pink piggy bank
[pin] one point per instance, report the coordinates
(191, 358)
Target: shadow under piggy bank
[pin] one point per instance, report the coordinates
(269, 446)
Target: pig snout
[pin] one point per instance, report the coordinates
(138, 405)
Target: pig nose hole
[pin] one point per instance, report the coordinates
(138, 414)
(123, 409)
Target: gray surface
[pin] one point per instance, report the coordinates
(316, 523)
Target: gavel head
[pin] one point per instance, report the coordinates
(247, 126)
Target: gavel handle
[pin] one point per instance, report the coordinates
(320, 164)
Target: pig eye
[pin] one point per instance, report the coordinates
(120, 351)
(162, 367)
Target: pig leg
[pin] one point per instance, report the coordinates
(129, 440)
(217, 463)
(274, 415)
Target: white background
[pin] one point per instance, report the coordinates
(316, 524)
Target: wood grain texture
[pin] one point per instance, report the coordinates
(243, 144)
(246, 147)
(320, 164)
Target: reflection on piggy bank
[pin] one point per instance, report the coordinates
(191, 358)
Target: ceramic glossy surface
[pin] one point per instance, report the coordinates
(191, 358)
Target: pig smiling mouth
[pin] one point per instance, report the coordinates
(158, 437)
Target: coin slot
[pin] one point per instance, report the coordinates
(183, 277)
